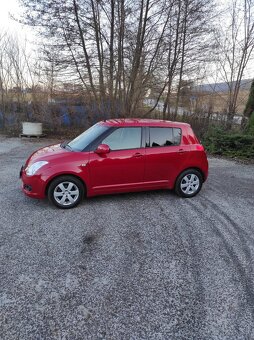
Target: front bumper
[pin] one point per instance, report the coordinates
(32, 186)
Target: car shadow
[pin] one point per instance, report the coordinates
(142, 195)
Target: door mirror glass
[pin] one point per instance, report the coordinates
(102, 149)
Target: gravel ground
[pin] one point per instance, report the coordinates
(134, 266)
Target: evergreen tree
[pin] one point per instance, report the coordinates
(249, 108)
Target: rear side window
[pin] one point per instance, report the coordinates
(177, 133)
(124, 138)
(164, 136)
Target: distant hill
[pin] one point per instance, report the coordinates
(222, 87)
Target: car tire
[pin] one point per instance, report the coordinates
(66, 192)
(189, 183)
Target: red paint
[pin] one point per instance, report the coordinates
(105, 171)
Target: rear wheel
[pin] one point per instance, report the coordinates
(65, 192)
(189, 183)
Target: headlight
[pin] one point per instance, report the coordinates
(31, 170)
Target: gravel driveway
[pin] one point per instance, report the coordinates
(134, 266)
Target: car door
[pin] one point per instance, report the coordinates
(164, 155)
(123, 167)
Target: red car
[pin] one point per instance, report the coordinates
(115, 156)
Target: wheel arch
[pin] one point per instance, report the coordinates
(190, 168)
(66, 174)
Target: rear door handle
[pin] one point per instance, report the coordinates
(137, 154)
(182, 151)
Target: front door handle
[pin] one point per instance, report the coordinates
(137, 154)
(182, 151)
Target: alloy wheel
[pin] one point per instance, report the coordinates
(190, 184)
(66, 193)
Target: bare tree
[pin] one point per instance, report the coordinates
(19, 74)
(235, 41)
(187, 43)
(120, 50)
(11, 76)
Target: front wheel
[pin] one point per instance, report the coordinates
(188, 183)
(65, 192)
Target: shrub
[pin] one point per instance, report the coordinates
(250, 127)
(217, 141)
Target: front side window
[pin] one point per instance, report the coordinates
(164, 136)
(124, 138)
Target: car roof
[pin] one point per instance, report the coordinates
(142, 122)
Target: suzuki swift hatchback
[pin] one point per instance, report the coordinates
(116, 156)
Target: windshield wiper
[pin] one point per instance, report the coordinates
(63, 144)
(67, 146)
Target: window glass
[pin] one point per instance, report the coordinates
(177, 136)
(124, 138)
(87, 137)
(164, 136)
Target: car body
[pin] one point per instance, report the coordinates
(116, 156)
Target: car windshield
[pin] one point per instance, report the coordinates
(83, 140)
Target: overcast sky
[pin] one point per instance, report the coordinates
(6, 7)
(7, 24)
(26, 33)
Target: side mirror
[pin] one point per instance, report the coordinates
(102, 149)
